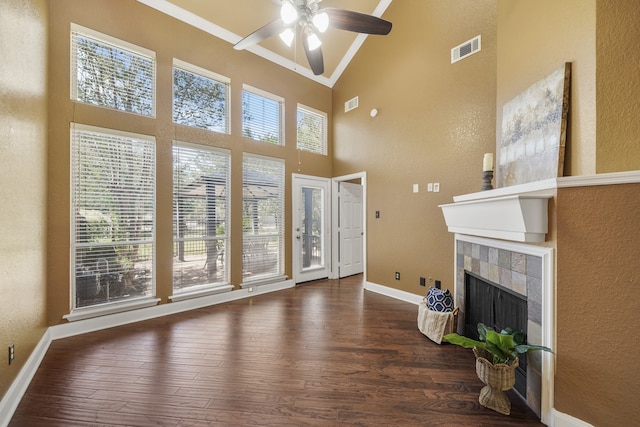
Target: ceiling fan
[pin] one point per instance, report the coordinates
(310, 19)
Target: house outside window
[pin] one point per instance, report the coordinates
(263, 218)
(312, 130)
(200, 217)
(200, 98)
(262, 116)
(112, 216)
(112, 73)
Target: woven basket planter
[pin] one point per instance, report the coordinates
(497, 379)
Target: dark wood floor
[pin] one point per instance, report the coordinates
(323, 354)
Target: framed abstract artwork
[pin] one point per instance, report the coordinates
(534, 131)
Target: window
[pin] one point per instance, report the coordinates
(200, 98)
(112, 215)
(312, 130)
(263, 217)
(111, 73)
(200, 216)
(262, 116)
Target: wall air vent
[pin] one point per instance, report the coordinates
(467, 48)
(351, 104)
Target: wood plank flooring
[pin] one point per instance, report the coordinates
(327, 353)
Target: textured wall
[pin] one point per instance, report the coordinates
(435, 122)
(534, 39)
(618, 80)
(23, 150)
(133, 22)
(597, 304)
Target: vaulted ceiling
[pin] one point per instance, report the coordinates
(232, 20)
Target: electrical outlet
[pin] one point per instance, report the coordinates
(12, 353)
(436, 187)
(397, 275)
(377, 214)
(430, 186)
(423, 281)
(438, 284)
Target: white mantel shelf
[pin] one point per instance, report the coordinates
(520, 218)
(519, 212)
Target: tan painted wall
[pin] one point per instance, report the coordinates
(598, 304)
(618, 80)
(23, 156)
(534, 39)
(131, 21)
(435, 122)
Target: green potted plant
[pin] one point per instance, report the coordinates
(496, 361)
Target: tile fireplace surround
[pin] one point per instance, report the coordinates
(499, 237)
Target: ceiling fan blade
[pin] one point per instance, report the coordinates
(314, 57)
(349, 20)
(260, 34)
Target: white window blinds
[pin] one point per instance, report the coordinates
(200, 98)
(200, 216)
(112, 215)
(112, 73)
(262, 116)
(263, 217)
(312, 130)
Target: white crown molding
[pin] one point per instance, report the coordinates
(194, 20)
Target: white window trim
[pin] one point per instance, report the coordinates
(98, 36)
(325, 130)
(273, 97)
(201, 71)
(177, 63)
(80, 313)
(206, 289)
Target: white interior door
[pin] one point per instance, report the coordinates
(311, 228)
(350, 229)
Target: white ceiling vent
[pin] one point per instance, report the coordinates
(467, 48)
(351, 104)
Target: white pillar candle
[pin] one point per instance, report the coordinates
(487, 162)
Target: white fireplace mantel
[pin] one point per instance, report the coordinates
(518, 213)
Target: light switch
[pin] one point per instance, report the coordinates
(430, 186)
(436, 187)
(415, 188)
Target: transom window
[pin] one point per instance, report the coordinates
(262, 217)
(200, 97)
(112, 73)
(312, 130)
(112, 215)
(262, 116)
(200, 216)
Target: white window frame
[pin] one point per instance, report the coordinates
(223, 284)
(264, 257)
(324, 143)
(281, 110)
(115, 43)
(217, 78)
(119, 305)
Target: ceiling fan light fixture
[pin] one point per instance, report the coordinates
(313, 40)
(288, 12)
(287, 36)
(321, 21)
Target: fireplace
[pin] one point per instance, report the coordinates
(498, 308)
(519, 278)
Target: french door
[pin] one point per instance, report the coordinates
(311, 228)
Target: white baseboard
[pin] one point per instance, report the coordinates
(12, 398)
(561, 419)
(393, 293)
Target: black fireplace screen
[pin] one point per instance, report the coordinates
(498, 308)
